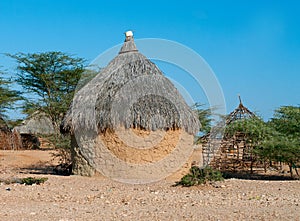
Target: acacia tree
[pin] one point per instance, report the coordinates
(254, 129)
(49, 80)
(7, 96)
(205, 116)
(284, 146)
(286, 120)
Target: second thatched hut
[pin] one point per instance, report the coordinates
(33, 129)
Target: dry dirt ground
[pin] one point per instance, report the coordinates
(98, 198)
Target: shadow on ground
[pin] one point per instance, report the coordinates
(258, 176)
(61, 169)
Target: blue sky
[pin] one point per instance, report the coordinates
(253, 47)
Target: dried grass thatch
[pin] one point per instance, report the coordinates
(130, 80)
(37, 123)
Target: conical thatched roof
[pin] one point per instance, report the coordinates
(37, 123)
(130, 92)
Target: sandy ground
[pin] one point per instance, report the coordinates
(98, 198)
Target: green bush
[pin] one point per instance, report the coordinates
(198, 176)
(26, 181)
(33, 180)
(62, 144)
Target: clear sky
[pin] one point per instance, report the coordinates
(253, 47)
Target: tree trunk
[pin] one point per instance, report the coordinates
(291, 169)
(297, 171)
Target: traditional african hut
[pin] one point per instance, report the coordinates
(9, 140)
(37, 123)
(33, 127)
(230, 153)
(130, 120)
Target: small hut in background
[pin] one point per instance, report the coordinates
(32, 128)
(130, 120)
(233, 152)
(9, 140)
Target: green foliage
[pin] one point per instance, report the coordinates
(284, 145)
(7, 96)
(13, 123)
(277, 140)
(62, 144)
(204, 116)
(286, 121)
(33, 180)
(281, 149)
(50, 79)
(198, 176)
(255, 130)
(26, 181)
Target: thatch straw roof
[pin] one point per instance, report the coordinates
(37, 123)
(130, 92)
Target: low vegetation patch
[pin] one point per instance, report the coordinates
(33, 180)
(198, 176)
(26, 181)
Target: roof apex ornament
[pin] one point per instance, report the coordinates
(128, 35)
